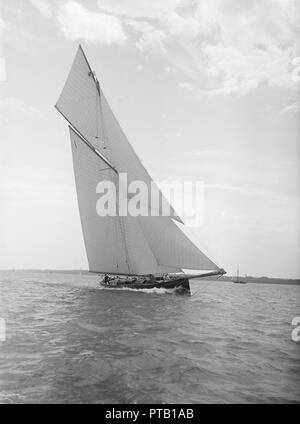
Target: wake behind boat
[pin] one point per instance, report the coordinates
(143, 250)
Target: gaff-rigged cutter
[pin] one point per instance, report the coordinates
(132, 251)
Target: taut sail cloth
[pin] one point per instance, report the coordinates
(117, 244)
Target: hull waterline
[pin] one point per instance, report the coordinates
(181, 285)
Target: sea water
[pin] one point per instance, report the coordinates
(66, 340)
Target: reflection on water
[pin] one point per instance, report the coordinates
(69, 341)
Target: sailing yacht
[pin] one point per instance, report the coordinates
(129, 251)
(238, 279)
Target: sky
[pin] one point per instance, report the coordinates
(204, 90)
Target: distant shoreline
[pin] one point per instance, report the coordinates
(262, 280)
(249, 279)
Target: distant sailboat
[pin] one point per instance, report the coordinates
(131, 251)
(238, 279)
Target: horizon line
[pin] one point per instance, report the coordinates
(87, 271)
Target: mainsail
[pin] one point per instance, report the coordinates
(130, 245)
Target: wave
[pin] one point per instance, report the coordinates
(155, 290)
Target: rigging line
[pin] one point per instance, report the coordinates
(87, 142)
(97, 120)
(122, 230)
(125, 244)
(120, 220)
(92, 74)
(116, 234)
(150, 247)
(104, 135)
(209, 282)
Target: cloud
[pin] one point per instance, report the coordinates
(13, 105)
(149, 9)
(149, 36)
(170, 70)
(293, 108)
(43, 6)
(237, 44)
(230, 46)
(77, 22)
(2, 69)
(240, 73)
(3, 25)
(152, 40)
(182, 25)
(186, 86)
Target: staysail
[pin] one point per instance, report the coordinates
(131, 245)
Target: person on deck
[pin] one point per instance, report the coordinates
(152, 278)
